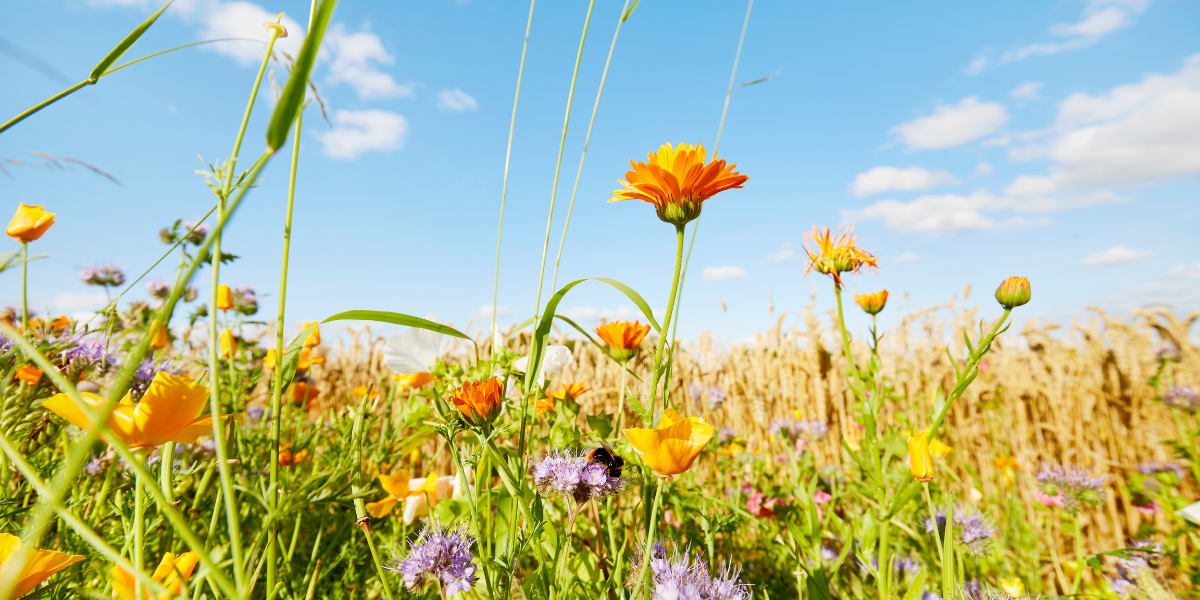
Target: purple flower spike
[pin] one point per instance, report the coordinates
(573, 476)
(1076, 485)
(441, 555)
(973, 528)
(678, 577)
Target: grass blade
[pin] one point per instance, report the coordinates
(129, 40)
(293, 93)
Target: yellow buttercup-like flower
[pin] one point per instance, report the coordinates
(172, 572)
(224, 297)
(168, 412)
(39, 565)
(29, 223)
(400, 486)
(919, 457)
(938, 449)
(1013, 587)
(672, 447)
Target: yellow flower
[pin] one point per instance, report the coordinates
(224, 297)
(733, 449)
(414, 380)
(158, 336)
(171, 573)
(836, 253)
(166, 413)
(920, 461)
(361, 391)
(872, 304)
(39, 565)
(314, 337)
(399, 486)
(938, 449)
(672, 447)
(1008, 467)
(1013, 587)
(1013, 292)
(677, 181)
(29, 374)
(269, 361)
(623, 338)
(305, 360)
(29, 223)
(228, 344)
(480, 401)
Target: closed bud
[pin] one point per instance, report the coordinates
(224, 297)
(314, 337)
(29, 223)
(872, 304)
(1013, 292)
(158, 336)
(920, 460)
(228, 344)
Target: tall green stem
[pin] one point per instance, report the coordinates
(139, 530)
(837, 292)
(1079, 564)
(651, 530)
(619, 418)
(24, 287)
(662, 334)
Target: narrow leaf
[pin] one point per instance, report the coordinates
(293, 93)
(397, 319)
(635, 297)
(129, 40)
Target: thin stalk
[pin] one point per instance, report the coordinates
(1078, 556)
(619, 418)
(562, 144)
(24, 286)
(651, 529)
(277, 385)
(662, 336)
(507, 159)
(937, 536)
(586, 139)
(139, 531)
(837, 292)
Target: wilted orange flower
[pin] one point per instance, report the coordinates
(228, 344)
(172, 572)
(672, 447)
(918, 454)
(167, 412)
(29, 223)
(314, 337)
(623, 338)
(224, 297)
(677, 181)
(39, 565)
(873, 303)
(158, 336)
(29, 374)
(361, 391)
(835, 253)
(302, 392)
(480, 401)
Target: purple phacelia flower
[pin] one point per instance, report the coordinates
(1184, 398)
(1168, 351)
(1154, 468)
(107, 276)
(573, 476)
(89, 353)
(973, 529)
(195, 236)
(145, 373)
(678, 577)
(800, 429)
(441, 555)
(1074, 484)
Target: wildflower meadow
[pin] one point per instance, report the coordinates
(191, 446)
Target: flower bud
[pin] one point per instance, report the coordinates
(158, 336)
(920, 460)
(1013, 292)
(314, 337)
(224, 297)
(228, 344)
(479, 401)
(29, 223)
(872, 304)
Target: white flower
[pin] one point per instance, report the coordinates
(414, 351)
(1190, 512)
(555, 359)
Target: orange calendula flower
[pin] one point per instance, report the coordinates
(677, 181)
(168, 412)
(287, 458)
(39, 565)
(314, 337)
(302, 392)
(672, 447)
(835, 253)
(305, 360)
(575, 390)
(158, 336)
(29, 223)
(228, 344)
(1008, 467)
(224, 297)
(919, 458)
(317, 360)
(480, 401)
(29, 374)
(1013, 292)
(172, 572)
(623, 338)
(361, 391)
(872, 304)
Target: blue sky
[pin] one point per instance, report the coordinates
(965, 141)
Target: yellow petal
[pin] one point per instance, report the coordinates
(669, 418)
(120, 423)
(383, 508)
(395, 484)
(122, 584)
(201, 426)
(170, 404)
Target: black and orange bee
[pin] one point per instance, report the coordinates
(608, 457)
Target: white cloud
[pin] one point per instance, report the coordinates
(1100, 18)
(76, 300)
(240, 20)
(942, 213)
(358, 131)
(888, 179)
(782, 253)
(721, 273)
(485, 312)
(953, 125)
(355, 56)
(1117, 255)
(589, 314)
(1140, 132)
(977, 66)
(983, 169)
(1191, 271)
(907, 257)
(455, 100)
(1030, 90)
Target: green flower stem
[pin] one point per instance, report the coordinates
(24, 287)
(619, 418)
(837, 292)
(662, 334)
(651, 530)
(1079, 563)
(937, 535)
(139, 531)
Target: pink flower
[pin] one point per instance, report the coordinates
(1045, 500)
(747, 488)
(755, 504)
(821, 497)
(1148, 509)
(671, 520)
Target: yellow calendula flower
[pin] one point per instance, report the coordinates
(29, 223)
(314, 337)
(872, 303)
(677, 181)
(1013, 292)
(172, 572)
(623, 338)
(672, 447)
(920, 461)
(39, 565)
(1013, 587)
(168, 412)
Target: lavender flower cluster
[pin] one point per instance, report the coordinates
(678, 577)
(1135, 575)
(716, 395)
(441, 555)
(88, 353)
(574, 476)
(145, 373)
(973, 528)
(1154, 468)
(107, 276)
(1075, 484)
(799, 428)
(1184, 398)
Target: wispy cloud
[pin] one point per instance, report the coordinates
(784, 252)
(722, 273)
(1100, 18)
(455, 100)
(952, 125)
(907, 257)
(892, 179)
(1030, 90)
(1117, 255)
(356, 132)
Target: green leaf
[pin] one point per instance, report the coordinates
(542, 333)
(291, 360)
(635, 297)
(601, 424)
(293, 93)
(129, 40)
(395, 318)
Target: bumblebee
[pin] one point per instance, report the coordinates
(605, 455)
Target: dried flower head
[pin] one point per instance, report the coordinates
(107, 276)
(835, 253)
(1076, 485)
(441, 555)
